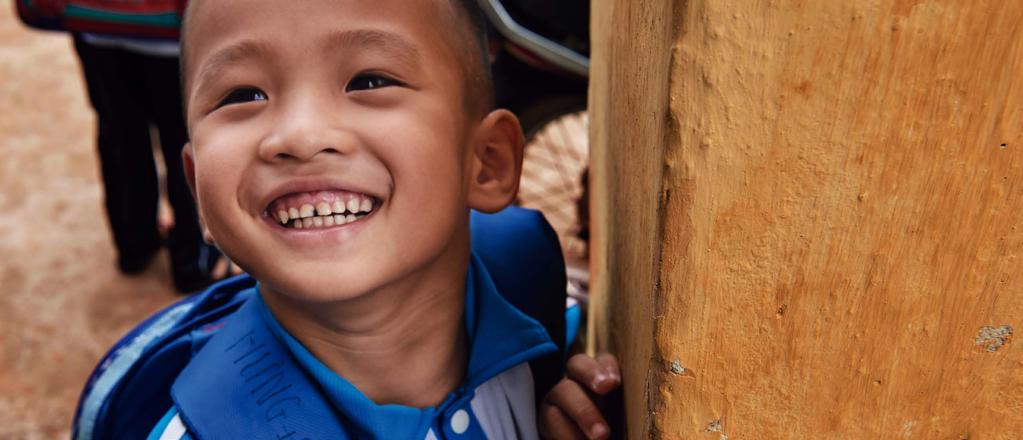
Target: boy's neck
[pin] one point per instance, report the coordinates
(404, 344)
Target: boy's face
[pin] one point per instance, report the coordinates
(317, 103)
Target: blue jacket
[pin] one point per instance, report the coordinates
(131, 390)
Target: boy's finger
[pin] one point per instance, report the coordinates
(555, 424)
(589, 372)
(610, 365)
(571, 398)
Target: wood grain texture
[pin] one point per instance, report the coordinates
(624, 234)
(809, 216)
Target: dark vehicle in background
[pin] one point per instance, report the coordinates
(540, 51)
(541, 57)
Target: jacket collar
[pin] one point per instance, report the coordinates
(251, 373)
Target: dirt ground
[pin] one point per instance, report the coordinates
(62, 302)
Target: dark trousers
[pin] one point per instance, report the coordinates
(130, 92)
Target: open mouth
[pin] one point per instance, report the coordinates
(321, 209)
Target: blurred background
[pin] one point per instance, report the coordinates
(63, 302)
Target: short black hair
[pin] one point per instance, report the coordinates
(471, 39)
(478, 76)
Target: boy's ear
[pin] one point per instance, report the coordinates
(188, 161)
(497, 162)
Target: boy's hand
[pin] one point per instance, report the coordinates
(570, 410)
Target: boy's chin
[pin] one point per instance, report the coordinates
(316, 290)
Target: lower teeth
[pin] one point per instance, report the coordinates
(322, 221)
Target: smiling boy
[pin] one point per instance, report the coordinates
(361, 110)
(369, 114)
(337, 147)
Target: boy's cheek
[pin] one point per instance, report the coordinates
(215, 204)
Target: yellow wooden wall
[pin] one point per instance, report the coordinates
(808, 216)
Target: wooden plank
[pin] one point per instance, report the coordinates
(809, 216)
(629, 88)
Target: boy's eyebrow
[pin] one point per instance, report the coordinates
(387, 43)
(230, 54)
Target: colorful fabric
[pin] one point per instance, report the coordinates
(142, 18)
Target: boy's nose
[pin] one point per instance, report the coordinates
(303, 132)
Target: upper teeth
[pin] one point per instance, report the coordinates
(325, 214)
(323, 208)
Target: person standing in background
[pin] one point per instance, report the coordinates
(133, 84)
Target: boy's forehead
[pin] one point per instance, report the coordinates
(217, 22)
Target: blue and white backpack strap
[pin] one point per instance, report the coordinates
(143, 362)
(170, 428)
(117, 364)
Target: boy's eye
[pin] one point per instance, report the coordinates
(370, 82)
(241, 96)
